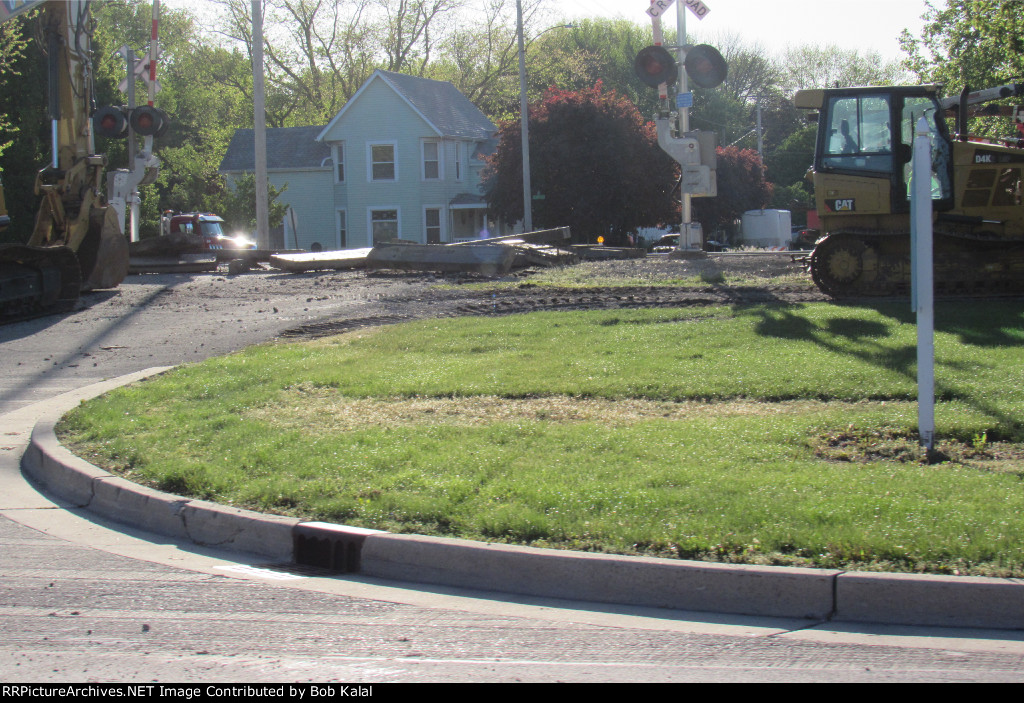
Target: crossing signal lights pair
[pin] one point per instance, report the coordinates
(704, 65)
(113, 122)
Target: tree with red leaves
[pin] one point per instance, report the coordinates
(741, 186)
(595, 167)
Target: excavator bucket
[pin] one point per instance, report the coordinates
(103, 254)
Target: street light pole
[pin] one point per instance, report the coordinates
(524, 118)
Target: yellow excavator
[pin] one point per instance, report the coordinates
(77, 243)
(862, 174)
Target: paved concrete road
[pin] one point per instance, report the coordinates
(128, 609)
(81, 601)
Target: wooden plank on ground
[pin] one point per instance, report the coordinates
(320, 260)
(489, 259)
(182, 263)
(600, 252)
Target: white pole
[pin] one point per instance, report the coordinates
(659, 39)
(260, 128)
(688, 240)
(923, 282)
(153, 50)
(524, 118)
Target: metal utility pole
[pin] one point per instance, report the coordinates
(260, 129)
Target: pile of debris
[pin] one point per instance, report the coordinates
(494, 256)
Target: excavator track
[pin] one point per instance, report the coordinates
(37, 280)
(858, 264)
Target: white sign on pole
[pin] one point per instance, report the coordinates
(698, 8)
(658, 7)
(141, 72)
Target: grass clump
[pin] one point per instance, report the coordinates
(755, 434)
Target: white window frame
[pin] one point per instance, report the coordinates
(382, 208)
(370, 163)
(437, 144)
(440, 223)
(458, 161)
(338, 154)
(341, 228)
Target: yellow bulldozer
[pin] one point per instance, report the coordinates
(862, 173)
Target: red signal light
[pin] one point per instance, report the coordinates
(110, 122)
(705, 66)
(654, 65)
(150, 121)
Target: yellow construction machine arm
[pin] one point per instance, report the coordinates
(76, 243)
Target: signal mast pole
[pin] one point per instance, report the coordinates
(689, 236)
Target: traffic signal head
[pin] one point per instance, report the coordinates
(149, 121)
(111, 122)
(705, 66)
(655, 65)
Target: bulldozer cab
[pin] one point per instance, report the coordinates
(862, 163)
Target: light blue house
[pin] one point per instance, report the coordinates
(401, 160)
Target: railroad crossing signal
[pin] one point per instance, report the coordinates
(141, 72)
(704, 65)
(113, 121)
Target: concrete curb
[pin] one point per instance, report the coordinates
(816, 594)
(603, 578)
(86, 486)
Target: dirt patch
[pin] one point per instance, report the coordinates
(323, 411)
(596, 285)
(855, 446)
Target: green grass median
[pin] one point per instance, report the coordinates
(756, 434)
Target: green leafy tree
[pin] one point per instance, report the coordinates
(596, 166)
(238, 204)
(789, 162)
(752, 75)
(24, 124)
(725, 115)
(317, 53)
(12, 52)
(205, 90)
(480, 55)
(826, 66)
(576, 57)
(979, 43)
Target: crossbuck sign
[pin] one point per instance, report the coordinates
(696, 7)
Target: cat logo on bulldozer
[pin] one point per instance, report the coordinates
(841, 205)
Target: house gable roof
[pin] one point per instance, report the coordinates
(439, 103)
(287, 148)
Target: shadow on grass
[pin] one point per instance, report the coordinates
(988, 325)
